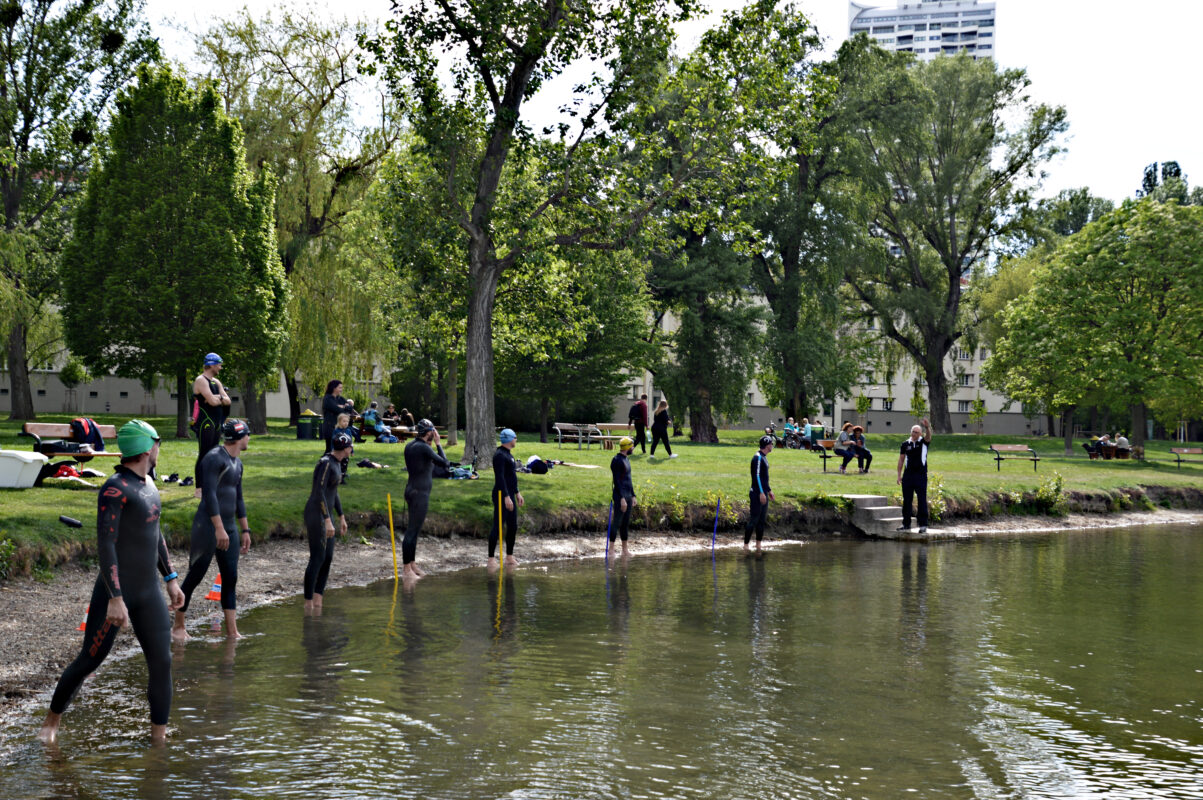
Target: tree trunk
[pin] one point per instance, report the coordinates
(1139, 414)
(294, 404)
(256, 408)
(937, 397)
(701, 424)
(1106, 427)
(440, 376)
(1067, 429)
(424, 395)
(183, 402)
(452, 399)
(18, 374)
(478, 379)
(544, 413)
(1051, 422)
(1094, 420)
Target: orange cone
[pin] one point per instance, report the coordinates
(215, 592)
(84, 622)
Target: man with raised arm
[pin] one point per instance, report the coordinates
(912, 474)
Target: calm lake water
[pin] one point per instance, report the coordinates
(1036, 667)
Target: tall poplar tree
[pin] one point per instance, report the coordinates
(174, 251)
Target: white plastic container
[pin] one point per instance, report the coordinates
(20, 468)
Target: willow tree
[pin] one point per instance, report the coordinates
(174, 248)
(293, 83)
(943, 170)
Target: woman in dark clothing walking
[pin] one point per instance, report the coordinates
(333, 404)
(660, 429)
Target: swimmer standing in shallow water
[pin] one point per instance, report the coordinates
(506, 499)
(129, 546)
(420, 461)
(213, 526)
(623, 493)
(320, 508)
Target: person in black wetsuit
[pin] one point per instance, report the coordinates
(320, 509)
(624, 491)
(760, 493)
(129, 546)
(211, 405)
(213, 526)
(506, 499)
(420, 461)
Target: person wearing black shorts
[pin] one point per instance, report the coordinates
(320, 508)
(212, 526)
(420, 461)
(506, 499)
(210, 406)
(623, 496)
(130, 547)
(912, 474)
(760, 493)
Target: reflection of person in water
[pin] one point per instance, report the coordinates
(323, 639)
(503, 606)
(913, 602)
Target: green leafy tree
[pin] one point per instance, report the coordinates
(713, 351)
(601, 168)
(174, 249)
(1117, 314)
(61, 61)
(943, 176)
(293, 83)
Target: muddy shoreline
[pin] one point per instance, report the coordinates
(39, 620)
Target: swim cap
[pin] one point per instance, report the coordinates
(765, 441)
(211, 359)
(234, 429)
(423, 427)
(135, 438)
(507, 436)
(625, 443)
(340, 441)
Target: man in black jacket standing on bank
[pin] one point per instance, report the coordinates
(912, 474)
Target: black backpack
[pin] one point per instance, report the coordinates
(633, 415)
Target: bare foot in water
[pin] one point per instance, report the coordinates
(511, 562)
(48, 733)
(411, 573)
(421, 572)
(493, 566)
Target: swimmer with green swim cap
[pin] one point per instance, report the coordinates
(131, 549)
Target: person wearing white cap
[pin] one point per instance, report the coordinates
(210, 407)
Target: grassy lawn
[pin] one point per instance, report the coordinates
(278, 470)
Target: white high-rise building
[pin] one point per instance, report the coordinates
(928, 28)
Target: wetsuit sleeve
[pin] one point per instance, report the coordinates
(319, 485)
(108, 522)
(338, 503)
(616, 475)
(211, 470)
(438, 458)
(164, 557)
(756, 474)
(240, 504)
(764, 474)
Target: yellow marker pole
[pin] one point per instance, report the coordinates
(392, 535)
(500, 572)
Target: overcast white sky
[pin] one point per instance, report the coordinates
(1127, 72)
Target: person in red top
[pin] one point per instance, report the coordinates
(638, 418)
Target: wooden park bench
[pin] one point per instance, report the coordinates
(61, 431)
(611, 432)
(581, 433)
(1179, 452)
(1028, 454)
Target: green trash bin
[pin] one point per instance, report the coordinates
(305, 428)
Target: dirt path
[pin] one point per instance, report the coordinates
(39, 621)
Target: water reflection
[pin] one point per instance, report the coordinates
(1046, 667)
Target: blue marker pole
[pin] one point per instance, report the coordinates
(718, 507)
(609, 522)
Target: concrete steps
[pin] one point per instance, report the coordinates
(873, 515)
